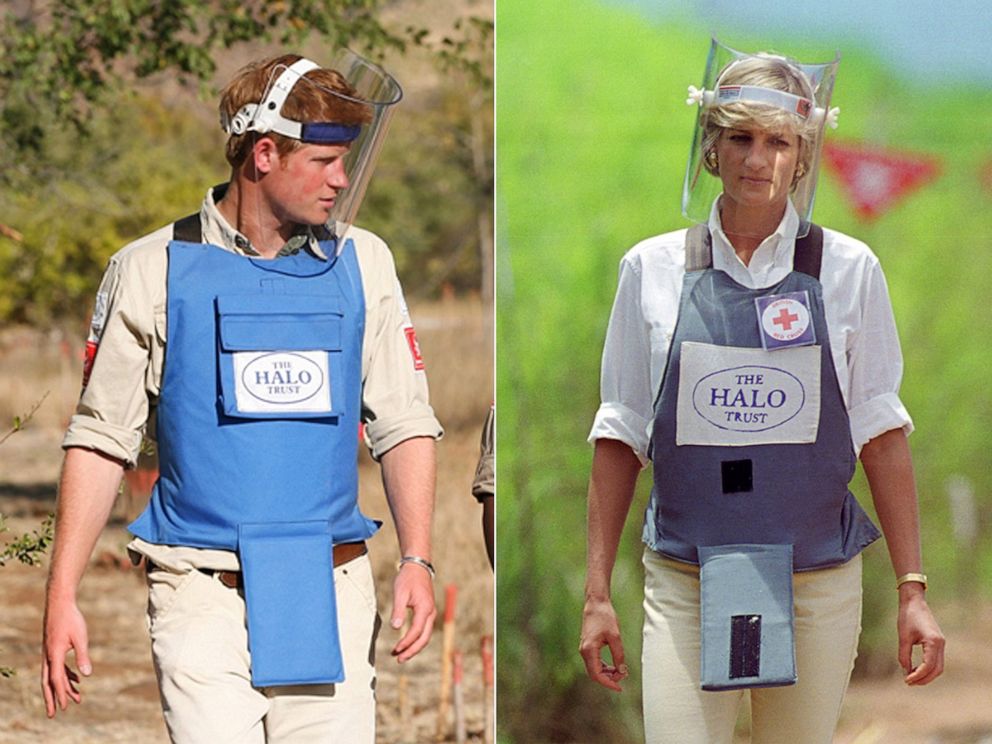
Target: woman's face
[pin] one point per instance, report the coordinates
(757, 166)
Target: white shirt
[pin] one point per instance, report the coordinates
(863, 338)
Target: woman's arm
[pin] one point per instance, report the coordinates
(889, 468)
(611, 490)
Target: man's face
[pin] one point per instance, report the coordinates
(757, 165)
(304, 185)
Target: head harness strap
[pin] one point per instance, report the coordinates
(267, 116)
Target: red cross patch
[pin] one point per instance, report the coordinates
(411, 339)
(785, 320)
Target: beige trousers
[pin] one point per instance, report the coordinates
(677, 711)
(200, 650)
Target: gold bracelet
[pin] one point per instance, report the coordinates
(905, 578)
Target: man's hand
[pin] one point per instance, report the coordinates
(65, 628)
(413, 588)
(87, 491)
(917, 626)
(600, 628)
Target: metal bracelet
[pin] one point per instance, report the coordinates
(416, 559)
(918, 577)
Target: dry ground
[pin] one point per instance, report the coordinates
(120, 699)
(954, 709)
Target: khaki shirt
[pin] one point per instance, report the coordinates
(126, 349)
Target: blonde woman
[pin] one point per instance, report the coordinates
(750, 360)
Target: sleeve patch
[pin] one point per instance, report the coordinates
(88, 358)
(99, 316)
(411, 339)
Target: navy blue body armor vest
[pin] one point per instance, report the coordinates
(793, 493)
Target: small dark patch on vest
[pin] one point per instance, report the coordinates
(737, 476)
(745, 646)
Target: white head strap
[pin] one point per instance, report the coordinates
(267, 116)
(798, 105)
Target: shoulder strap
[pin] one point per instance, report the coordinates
(698, 248)
(189, 229)
(807, 259)
(809, 252)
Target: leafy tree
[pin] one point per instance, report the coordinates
(433, 189)
(62, 59)
(86, 164)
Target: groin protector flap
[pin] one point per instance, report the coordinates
(746, 617)
(289, 594)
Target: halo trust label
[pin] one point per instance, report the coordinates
(734, 396)
(749, 398)
(282, 381)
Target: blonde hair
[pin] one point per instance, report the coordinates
(329, 98)
(767, 71)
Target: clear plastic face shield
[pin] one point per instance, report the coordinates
(758, 135)
(374, 90)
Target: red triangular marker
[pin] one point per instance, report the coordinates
(875, 178)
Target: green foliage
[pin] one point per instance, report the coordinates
(65, 62)
(86, 166)
(93, 199)
(29, 547)
(427, 195)
(26, 548)
(592, 140)
(94, 194)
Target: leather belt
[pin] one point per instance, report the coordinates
(343, 553)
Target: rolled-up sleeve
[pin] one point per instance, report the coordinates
(875, 366)
(395, 400)
(625, 411)
(113, 407)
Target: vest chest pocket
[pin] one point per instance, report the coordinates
(280, 356)
(730, 396)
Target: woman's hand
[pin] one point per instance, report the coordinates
(600, 628)
(917, 626)
(889, 469)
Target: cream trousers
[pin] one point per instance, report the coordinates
(676, 711)
(200, 650)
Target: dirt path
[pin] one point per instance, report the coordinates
(955, 709)
(121, 698)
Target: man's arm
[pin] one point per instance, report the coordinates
(87, 491)
(889, 469)
(611, 489)
(484, 485)
(408, 475)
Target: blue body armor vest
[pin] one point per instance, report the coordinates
(792, 493)
(258, 423)
(278, 460)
